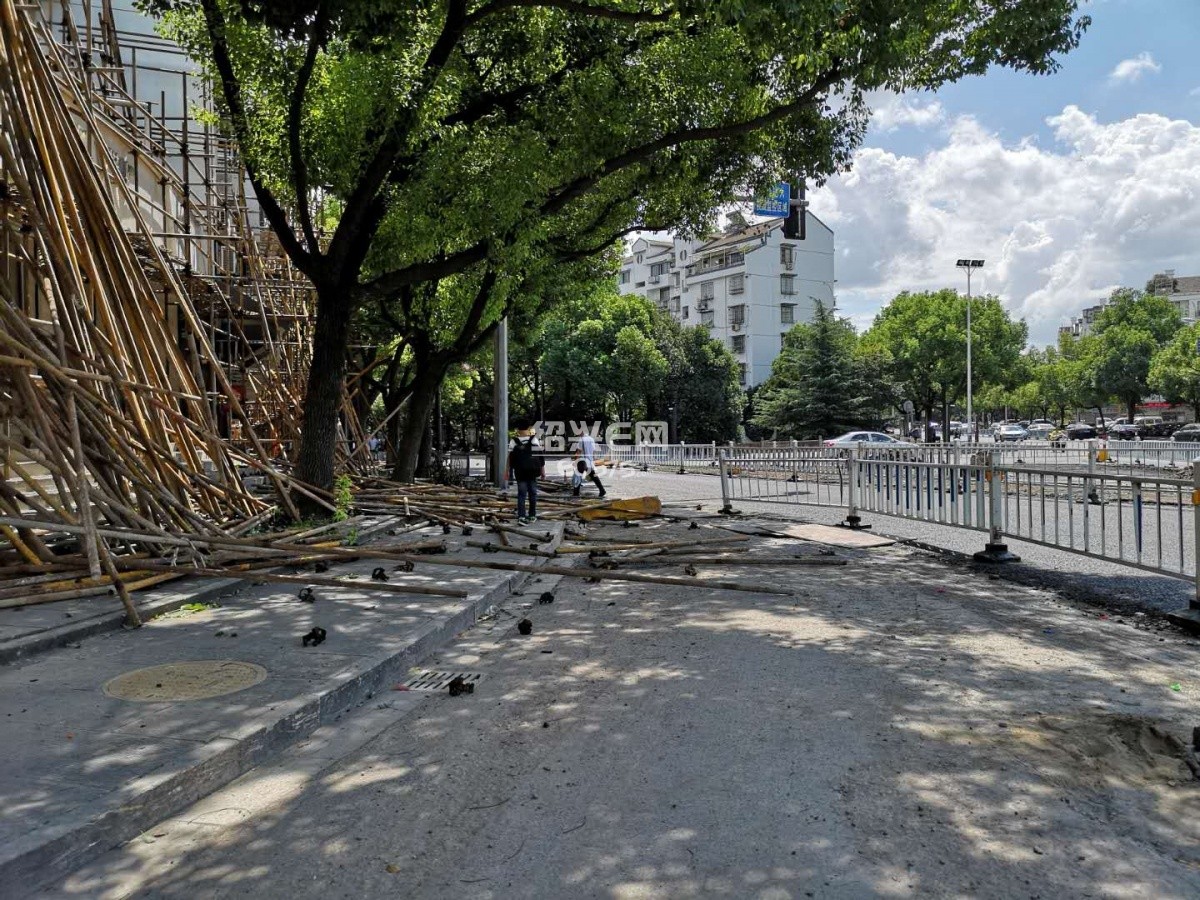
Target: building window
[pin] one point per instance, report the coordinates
(787, 256)
(741, 373)
(707, 290)
(639, 258)
(664, 294)
(685, 312)
(658, 268)
(787, 313)
(737, 284)
(737, 314)
(707, 318)
(787, 284)
(624, 276)
(739, 343)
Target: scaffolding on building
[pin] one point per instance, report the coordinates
(154, 338)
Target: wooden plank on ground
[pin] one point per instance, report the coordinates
(834, 536)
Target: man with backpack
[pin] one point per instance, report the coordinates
(525, 466)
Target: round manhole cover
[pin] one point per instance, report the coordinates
(196, 680)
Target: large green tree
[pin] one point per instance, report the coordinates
(1133, 327)
(702, 393)
(465, 132)
(816, 388)
(925, 337)
(1175, 369)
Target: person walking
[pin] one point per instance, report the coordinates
(585, 465)
(525, 466)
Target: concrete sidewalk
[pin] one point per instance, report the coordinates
(86, 771)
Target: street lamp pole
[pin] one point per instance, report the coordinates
(970, 265)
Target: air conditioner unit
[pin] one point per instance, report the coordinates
(736, 326)
(654, 279)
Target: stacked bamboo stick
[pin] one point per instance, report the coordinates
(104, 418)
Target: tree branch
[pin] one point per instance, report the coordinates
(363, 211)
(636, 155)
(475, 314)
(571, 6)
(460, 260)
(230, 87)
(316, 39)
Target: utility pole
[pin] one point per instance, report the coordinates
(969, 265)
(500, 403)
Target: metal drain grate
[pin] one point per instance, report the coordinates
(440, 681)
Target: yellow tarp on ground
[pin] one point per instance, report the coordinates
(632, 508)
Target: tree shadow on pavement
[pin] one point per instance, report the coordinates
(895, 728)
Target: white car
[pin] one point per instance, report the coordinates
(1039, 431)
(1011, 433)
(873, 438)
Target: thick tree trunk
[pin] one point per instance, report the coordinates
(416, 421)
(1133, 401)
(425, 454)
(945, 419)
(322, 399)
(393, 434)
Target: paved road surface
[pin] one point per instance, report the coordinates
(894, 729)
(1055, 568)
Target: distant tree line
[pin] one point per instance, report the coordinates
(829, 379)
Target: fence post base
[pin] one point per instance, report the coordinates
(729, 511)
(853, 522)
(996, 553)
(1188, 618)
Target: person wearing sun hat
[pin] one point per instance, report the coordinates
(525, 466)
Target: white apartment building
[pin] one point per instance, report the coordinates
(749, 285)
(1183, 291)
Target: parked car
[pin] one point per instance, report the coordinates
(1039, 431)
(1188, 433)
(1153, 426)
(1124, 432)
(874, 438)
(1011, 433)
(1081, 431)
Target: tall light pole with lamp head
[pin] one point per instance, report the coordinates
(970, 265)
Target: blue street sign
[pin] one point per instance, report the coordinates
(776, 203)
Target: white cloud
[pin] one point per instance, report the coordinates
(1108, 205)
(891, 111)
(1131, 70)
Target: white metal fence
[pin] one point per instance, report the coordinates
(1127, 456)
(1081, 500)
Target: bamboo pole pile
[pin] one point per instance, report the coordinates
(114, 471)
(104, 419)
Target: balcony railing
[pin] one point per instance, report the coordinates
(716, 264)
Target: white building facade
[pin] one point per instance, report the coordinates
(749, 285)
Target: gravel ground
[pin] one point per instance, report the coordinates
(886, 729)
(1083, 577)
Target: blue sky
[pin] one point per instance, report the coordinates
(1016, 105)
(1070, 184)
